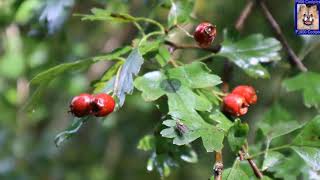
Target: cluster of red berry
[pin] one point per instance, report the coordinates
(237, 102)
(204, 34)
(98, 105)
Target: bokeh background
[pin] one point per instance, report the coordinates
(38, 34)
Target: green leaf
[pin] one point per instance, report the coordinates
(70, 131)
(177, 85)
(206, 93)
(309, 83)
(35, 97)
(222, 121)
(106, 15)
(124, 82)
(165, 155)
(106, 82)
(163, 56)
(248, 53)
(310, 155)
(147, 143)
(289, 169)
(309, 135)
(180, 12)
(234, 173)
(237, 135)
(149, 46)
(271, 159)
(277, 122)
(67, 67)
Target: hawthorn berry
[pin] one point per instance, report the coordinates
(81, 105)
(248, 92)
(204, 34)
(235, 104)
(102, 105)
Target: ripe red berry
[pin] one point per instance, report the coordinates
(81, 105)
(247, 92)
(102, 105)
(204, 34)
(235, 105)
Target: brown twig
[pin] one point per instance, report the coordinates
(218, 166)
(294, 60)
(252, 164)
(244, 15)
(175, 46)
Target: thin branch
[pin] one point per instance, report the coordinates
(213, 49)
(275, 26)
(244, 15)
(252, 164)
(218, 166)
(255, 169)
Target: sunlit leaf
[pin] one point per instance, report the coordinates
(271, 159)
(310, 155)
(250, 52)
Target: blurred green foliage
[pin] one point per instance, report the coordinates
(38, 34)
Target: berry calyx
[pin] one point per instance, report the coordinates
(248, 92)
(81, 105)
(102, 105)
(204, 34)
(235, 105)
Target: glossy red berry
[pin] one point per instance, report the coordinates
(81, 105)
(247, 92)
(102, 105)
(204, 34)
(235, 105)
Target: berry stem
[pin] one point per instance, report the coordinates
(185, 31)
(162, 29)
(146, 37)
(139, 28)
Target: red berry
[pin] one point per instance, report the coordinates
(235, 105)
(204, 34)
(102, 105)
(81, 105)
(247, 92)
